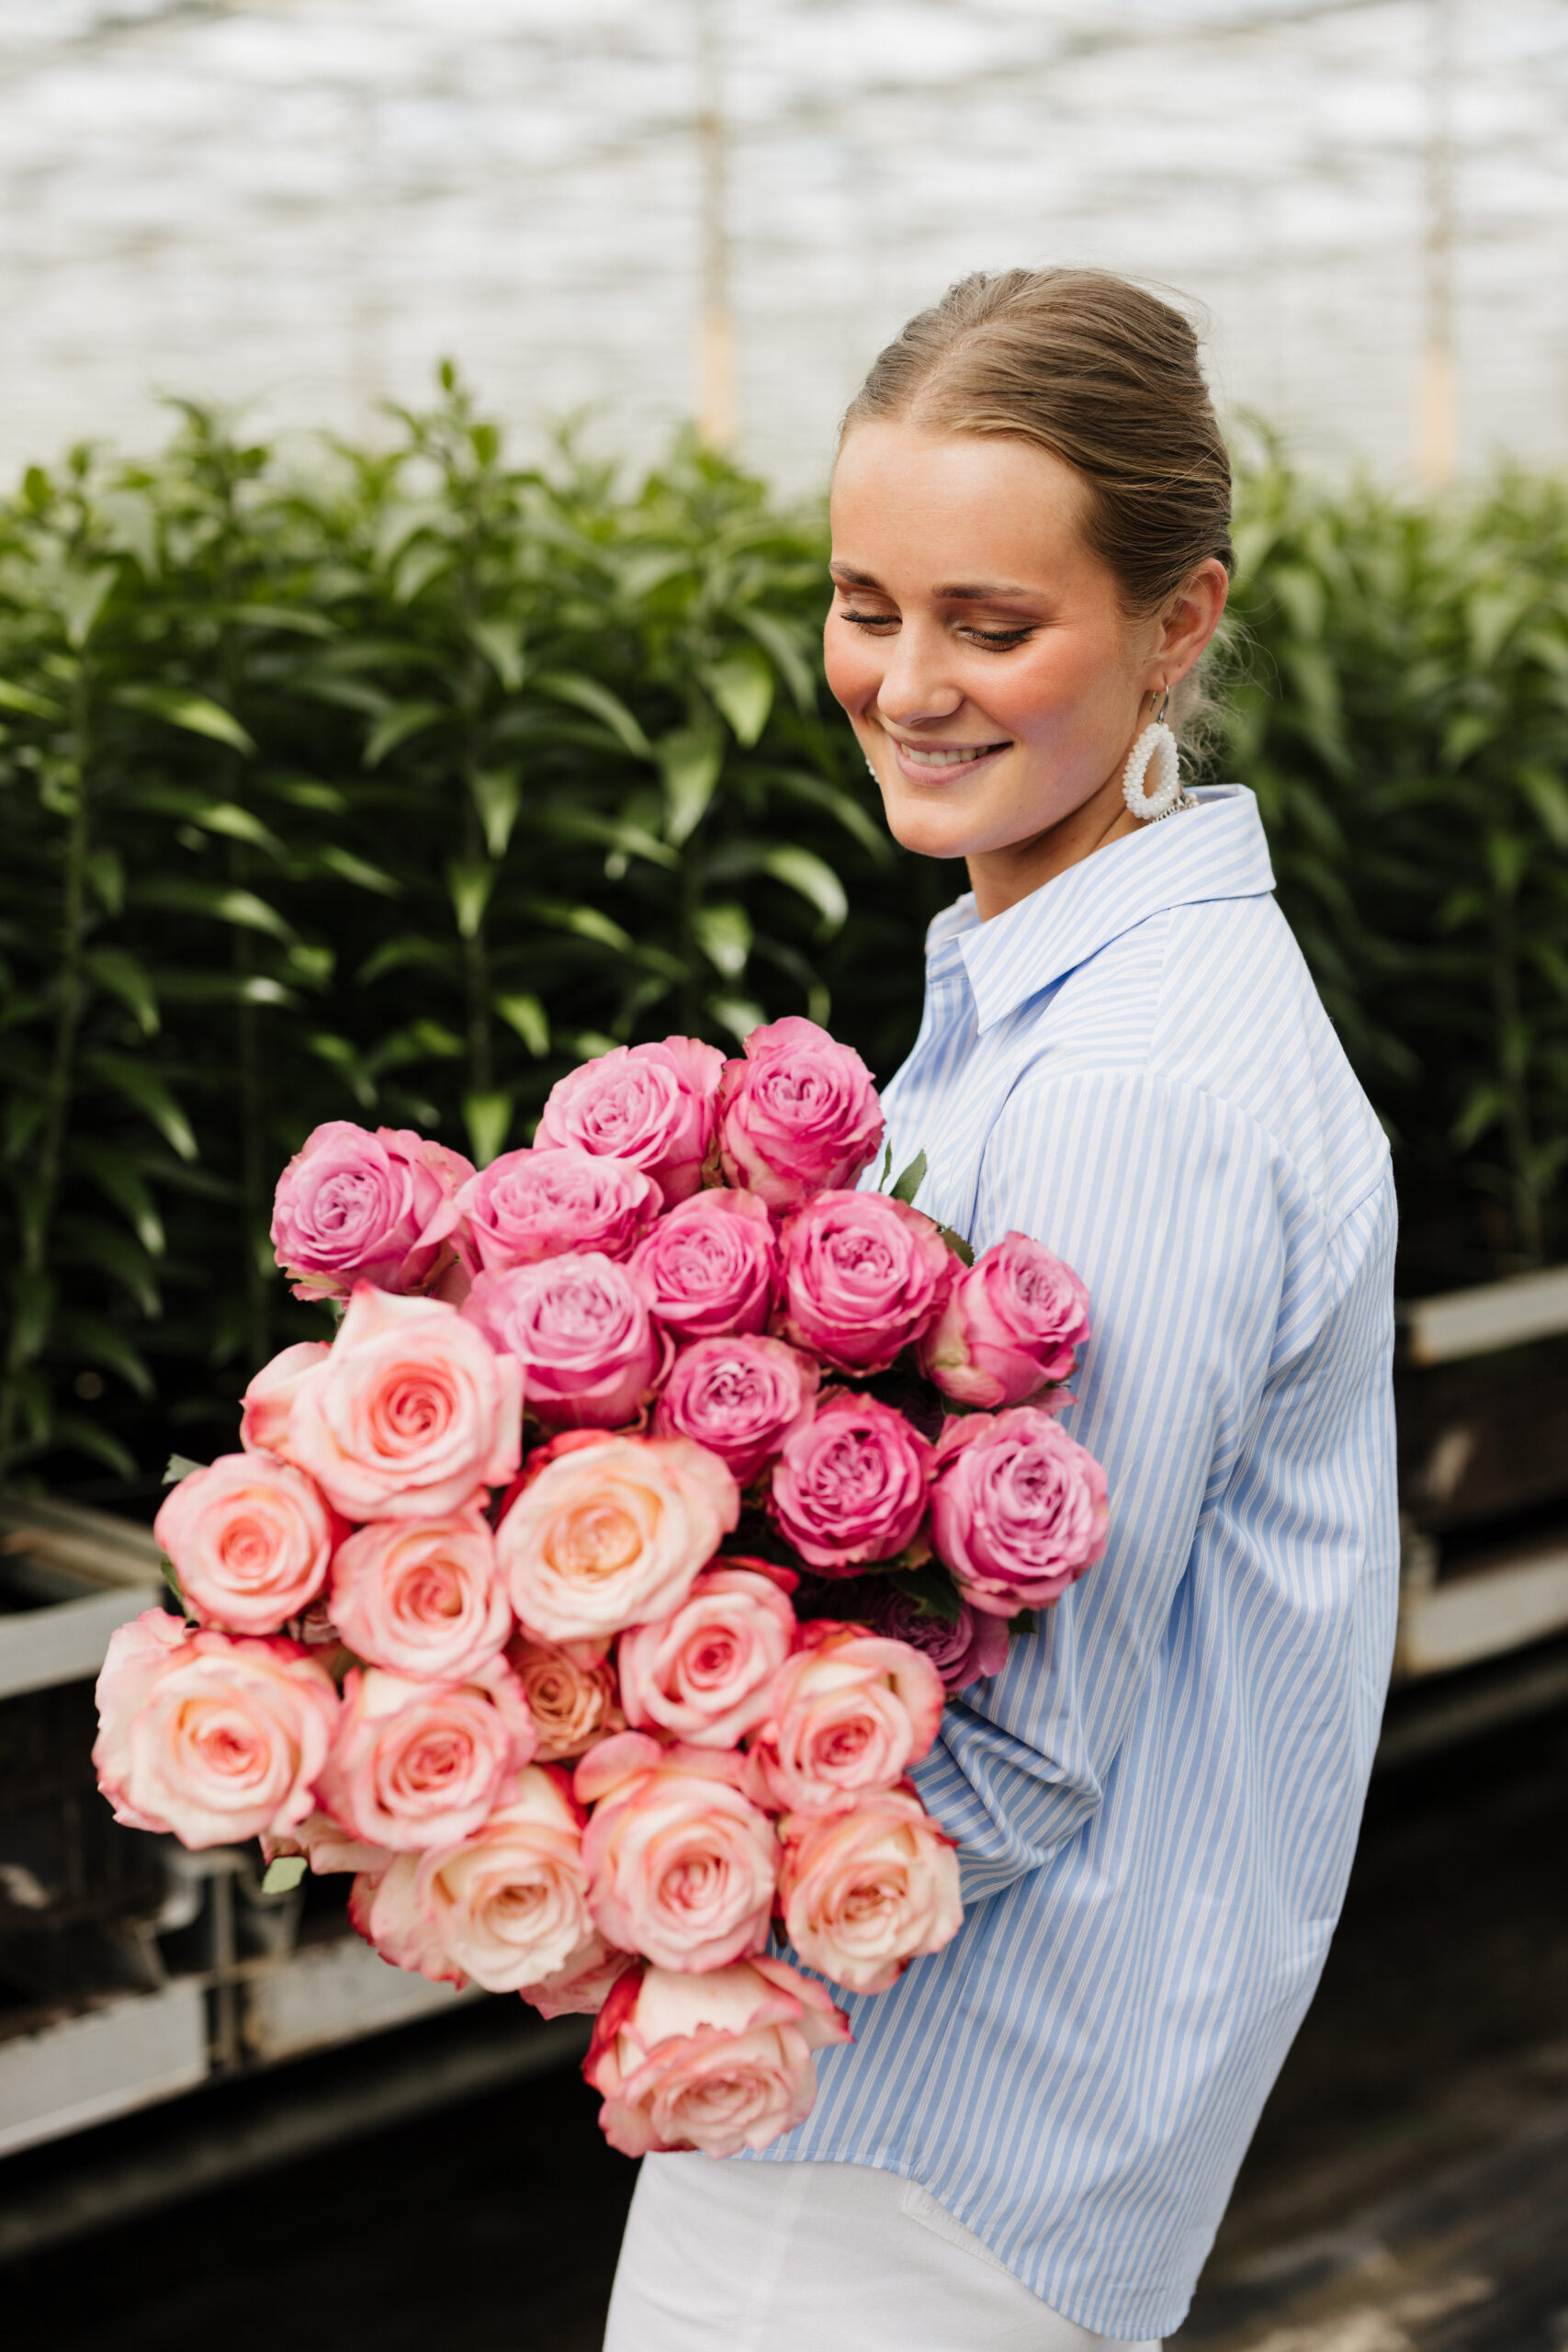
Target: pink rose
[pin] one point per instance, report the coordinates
(581, 1987)
(860, 1277)
(328, 1848)
(384, 1908)
(207, 1737)
(572, 1693)
(408, 1414)
(269, 1399)
(250, 1539)
(651, 1104)
(849, 1713)
(963, 1649)
(704, 1674)
(851, 1484)
(1012, 1324)
(798, 1115)
(863, 1892)
(1019, 1508)
(591, 1354)
(611, 1530)
(739, 1398)
(422, 1597)
(420, 1764)
(509, 1903)
(682, 1867)
(356, 1207)
(707, 1270)
(720, 2062)
(532, 1204)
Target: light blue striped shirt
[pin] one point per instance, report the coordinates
(1158, 1801)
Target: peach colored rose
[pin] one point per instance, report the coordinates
(269, 1400)
(851, 1482)
(1019, 1508)
(864, 1892)
(207, 1736)
(653, 1105)
(610, 1531)
(798, 1115)
(581, 1987)
(707, 1268)
(383, 1907)
(719, 2061)
(328, 1848)
(356, 1207)
(859, 1279)
(572, 1693)
(848, 1713)
(739, 1398)
(1013, 1322)
(532, 1204)
(509, 1903)
(250, 1539)
(408, 1415)
(578, 1327)
(704, 1674)
(422, 1597)
(419, 1764)
(681, 1866)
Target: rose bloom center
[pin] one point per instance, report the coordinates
(431, 1758)
(248, 1545)
(415, 1405)
(853, 1469)
(234, 1751)
(345, 1202)
(597, 1539)
(711, 1659)
(436, 1590)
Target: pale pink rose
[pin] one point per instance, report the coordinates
(707, 1268)
(798, 1115)
(267, 1402)
(1019, 1508)
(963, 1649)
(532, 1204)
(864, 1892)
(571, 1692)
(250, 1539)
(419, 1764)
(612, 1530)
(328, 1848)
(581, 1987)
(851, 1484)
(357, 1207)
(848, 1713)
(682, 1867)
(704, 1674)
(739, 1398)
(384, 1908)
(590, 1352)
(651, 1104)
(210, 1737)
(509, 1903)
(860, 1278)
(719, 2061)
(422, 1597)
(409, 1414)
(1012, 1324)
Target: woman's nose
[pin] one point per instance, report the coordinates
(916, 684)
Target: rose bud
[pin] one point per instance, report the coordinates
(250, 1539)
(682, 1867)
(267, 1402)
(653, 1105)
(356, 1207)
(210, 1739)
(860, 1277)
(719, 2061)
(864, 1892)
(1019, 1508)
(964, 1648)
(851, 1484)
(739, 1398)
(422, 1597)
(591, 1354)
(532, 1204)
(848, 1713)
(581, 1987)
(797, 1115)
(419, 1764)
(508, 1901)
(702, 1674)
(383, 1907)
(707, 1270)
(1012, 1325)
(572, 1693)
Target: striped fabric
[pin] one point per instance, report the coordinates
(1158, 1801)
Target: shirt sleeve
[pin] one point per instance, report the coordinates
(1207, 1265)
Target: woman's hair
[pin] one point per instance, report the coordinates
(1100, 373)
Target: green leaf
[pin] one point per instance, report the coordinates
(1548, 797)
(101, 1343)
(82, 598)
(738, 1015)
(469, 886)
(359, 871)
(909, 1182)
(803, 871)
(778, 639)
(179, 1466)
(282, 1876)
(32, 1312)
(23, 699)
(1485, 1105)
(588, 922)
(396, 726)
(487, 1116)
(147, 1091)
(123, 977)
(500, 642)
(930, 1588)
(104, 870)
(198, 714)
(122, 1183)
(691, 760)
(961, 1249)
(339, 1054)
(88, 1241)
(587, 694)
(741, 684)
(242, 907)
(724, 934)
(296, 618)
(83, 1436)
(525, 1014)
(498, 796)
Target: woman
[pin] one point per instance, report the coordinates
(1032, 2140)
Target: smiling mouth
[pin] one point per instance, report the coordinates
(924, 756)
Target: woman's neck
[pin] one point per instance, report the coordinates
(1000, 878)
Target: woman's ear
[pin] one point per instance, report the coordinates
(1190, 619)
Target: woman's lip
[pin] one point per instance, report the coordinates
(912, 766)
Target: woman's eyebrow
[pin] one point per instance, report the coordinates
(977, 592)
(846, 572)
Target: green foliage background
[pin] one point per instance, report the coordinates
(386, 784)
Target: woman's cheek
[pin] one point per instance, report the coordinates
(853, 664)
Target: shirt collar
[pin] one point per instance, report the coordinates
(1217, 851)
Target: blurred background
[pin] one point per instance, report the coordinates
(413, 427)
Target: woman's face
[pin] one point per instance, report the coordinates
(983, 654)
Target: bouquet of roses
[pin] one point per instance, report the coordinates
(592, 1594)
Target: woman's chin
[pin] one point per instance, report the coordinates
(931, 832)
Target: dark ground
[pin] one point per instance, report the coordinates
(1408, 2190)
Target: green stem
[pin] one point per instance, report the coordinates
(476, 949)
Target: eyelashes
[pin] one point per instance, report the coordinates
(999, 641)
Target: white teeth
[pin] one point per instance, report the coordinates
(930, 759)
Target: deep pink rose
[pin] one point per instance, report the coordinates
(571, 1692)
(409, 1412)
(250, 1539)
(860, 1277)
(719, 2061)
(578, 1327)
(682, 1867)
(208, 1737)
(962, 1651)
(1012, 1324)
(419, 1764)
(851, 1484)
(847, 1714)
(1019, 1508)
(798, 1115)
(532, 1204)
(267, 1402)
(864, 1892)
(739, 1398)
(422, 1597)
(509, 1903)
(651, 1104)
(704, 1674)
(707, 1270)
(357, 1207)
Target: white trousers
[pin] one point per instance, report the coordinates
(738, 2258)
